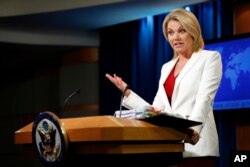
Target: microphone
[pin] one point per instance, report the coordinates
(71, 95)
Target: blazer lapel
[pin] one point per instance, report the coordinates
(168, 69)
(164, 77)
(194, 58)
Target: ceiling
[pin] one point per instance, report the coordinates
(65, 22)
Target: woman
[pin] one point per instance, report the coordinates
(188, 84)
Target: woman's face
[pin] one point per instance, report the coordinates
(180, 40)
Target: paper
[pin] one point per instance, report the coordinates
(138, 113)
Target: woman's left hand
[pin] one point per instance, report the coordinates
(192, 136)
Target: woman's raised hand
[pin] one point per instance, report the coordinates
(119, 83)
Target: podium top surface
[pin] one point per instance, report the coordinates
(106, 128)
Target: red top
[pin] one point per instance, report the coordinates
(169, 85)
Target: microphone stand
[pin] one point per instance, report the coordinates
(71, 95)
(120, 114)
(123, 94)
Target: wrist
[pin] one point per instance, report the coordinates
(126, 90)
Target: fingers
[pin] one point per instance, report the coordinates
(195, 139)
(192, 136)
(156, 110)
(118, 80)
(108, 76)
(119, 83)
(112, 79)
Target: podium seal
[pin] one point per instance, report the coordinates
(49, 138)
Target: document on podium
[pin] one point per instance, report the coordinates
(161, 119)
(170, 120)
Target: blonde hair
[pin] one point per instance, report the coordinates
(189, 22)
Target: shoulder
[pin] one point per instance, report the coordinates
(209, 53)
(211, 58)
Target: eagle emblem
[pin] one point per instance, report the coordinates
(49, 138)
(48, 145)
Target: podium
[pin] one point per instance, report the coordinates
(115, 140)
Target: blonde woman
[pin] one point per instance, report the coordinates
(187, 86)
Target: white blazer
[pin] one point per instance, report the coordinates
(193, 97)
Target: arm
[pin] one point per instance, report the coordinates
(131, 99)
(209, 84)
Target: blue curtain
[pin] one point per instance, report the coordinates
(215, 18)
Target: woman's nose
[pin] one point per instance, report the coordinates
(176, 36)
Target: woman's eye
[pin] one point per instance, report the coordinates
(182, 31)
(170, 32)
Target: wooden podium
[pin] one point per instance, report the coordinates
(107, 136)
